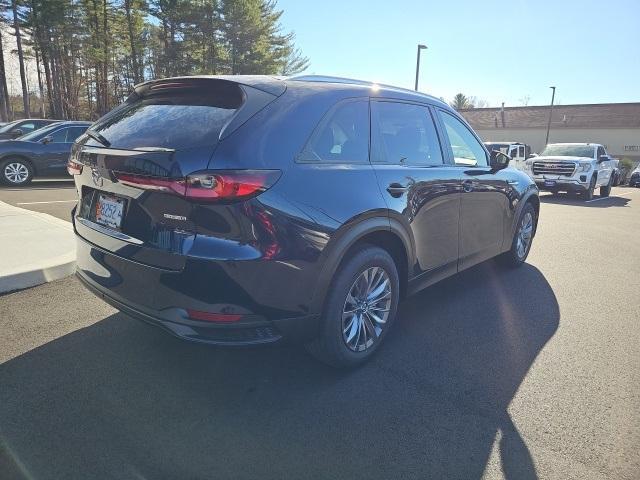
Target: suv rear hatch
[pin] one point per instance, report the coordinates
(139, 168)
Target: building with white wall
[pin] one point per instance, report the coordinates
(615, 125)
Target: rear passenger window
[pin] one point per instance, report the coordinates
(74, 132)
(59, 136)
(404, 134)
(342, 136)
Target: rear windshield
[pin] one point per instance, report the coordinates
(568, 150)
(175, 120)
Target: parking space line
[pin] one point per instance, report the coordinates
(51, 201)
(605, 198)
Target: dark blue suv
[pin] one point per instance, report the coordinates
(244, 210)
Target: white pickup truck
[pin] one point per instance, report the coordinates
(573, 167)
(519, 152)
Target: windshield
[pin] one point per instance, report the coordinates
(9, 126)
(39, 133)
(569, 151)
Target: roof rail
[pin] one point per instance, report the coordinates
(330, 79)
(352, 81)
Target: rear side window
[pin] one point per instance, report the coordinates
(404, 134)
(74, 132)
(175, 120)
(342, 136)
(59, 136)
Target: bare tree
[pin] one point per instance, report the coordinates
(23, 76)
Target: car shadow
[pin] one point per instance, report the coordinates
(120, 399)
(597, 202)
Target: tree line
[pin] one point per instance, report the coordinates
(89, 54)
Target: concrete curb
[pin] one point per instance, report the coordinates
(35, 248)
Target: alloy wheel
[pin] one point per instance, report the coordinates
(16, 172)
(525, 232)
(366, 309)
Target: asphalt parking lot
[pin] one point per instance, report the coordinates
(514, 374)
(53, 196)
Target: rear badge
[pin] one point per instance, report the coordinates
(175, 217)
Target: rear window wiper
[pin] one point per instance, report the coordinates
(98, 138)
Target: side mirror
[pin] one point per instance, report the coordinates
(532, 155)
(499, 160)
(603, 158)
(16, 133)
(47, 139)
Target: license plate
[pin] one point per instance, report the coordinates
(109, 211)
(549, 183)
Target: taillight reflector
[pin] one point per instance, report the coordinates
(213, 317)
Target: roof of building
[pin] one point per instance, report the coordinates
(594, 115)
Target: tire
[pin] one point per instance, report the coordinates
(16, 172)
(588, 194)
(336, 344)
(515, 256)
(605, 191)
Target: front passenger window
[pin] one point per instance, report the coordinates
(466, 149)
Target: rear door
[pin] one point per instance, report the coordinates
(516, 152)
(484, 206)
(421, 191)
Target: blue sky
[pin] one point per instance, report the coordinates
(496, 50)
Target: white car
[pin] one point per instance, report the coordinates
(573, 167)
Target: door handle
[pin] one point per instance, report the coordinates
(396, 189)
(467, 186)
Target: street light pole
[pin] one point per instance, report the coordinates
(420, 47)
(553, 96)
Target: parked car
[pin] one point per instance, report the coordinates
(634, 180)
(519, 152)
(245, 210)
(574, 167)
(43, 152)
(18, 128)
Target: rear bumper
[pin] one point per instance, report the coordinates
(163, 297)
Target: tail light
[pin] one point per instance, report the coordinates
(208, 185)
(73, 167)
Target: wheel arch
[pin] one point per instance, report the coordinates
(529, 197)
(376, 231)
